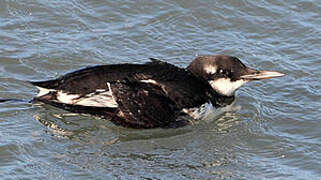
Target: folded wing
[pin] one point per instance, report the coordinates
(144, 105)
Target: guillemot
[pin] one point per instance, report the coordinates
(150, 95)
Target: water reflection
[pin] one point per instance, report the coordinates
(90, 129)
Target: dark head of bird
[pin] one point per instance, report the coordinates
(226, 73)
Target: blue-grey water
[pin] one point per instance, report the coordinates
(275, 135)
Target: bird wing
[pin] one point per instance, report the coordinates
(93, 83)
(147, 95)
(91, 86)
(89, 79)
(144, 105)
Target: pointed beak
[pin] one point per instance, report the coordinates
(259, 75)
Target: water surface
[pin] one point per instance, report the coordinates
(275, 135)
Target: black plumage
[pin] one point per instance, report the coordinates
(140, 105)
(154, 94)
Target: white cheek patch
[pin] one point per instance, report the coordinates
(225, 86)
(210, 69)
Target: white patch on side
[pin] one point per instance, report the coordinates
(98, 100)
(225, 86)
(43, 91)
(111, 93)
(66, 98)
(155, 83)
(149, 81)
(100, 90)
(210, 69)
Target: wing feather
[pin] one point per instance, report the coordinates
(144, 105)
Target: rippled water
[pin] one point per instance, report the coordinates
(276, 134)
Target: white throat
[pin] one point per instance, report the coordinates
(225, 86)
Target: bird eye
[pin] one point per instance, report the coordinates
(221, 71)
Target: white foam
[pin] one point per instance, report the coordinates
(208, 112)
